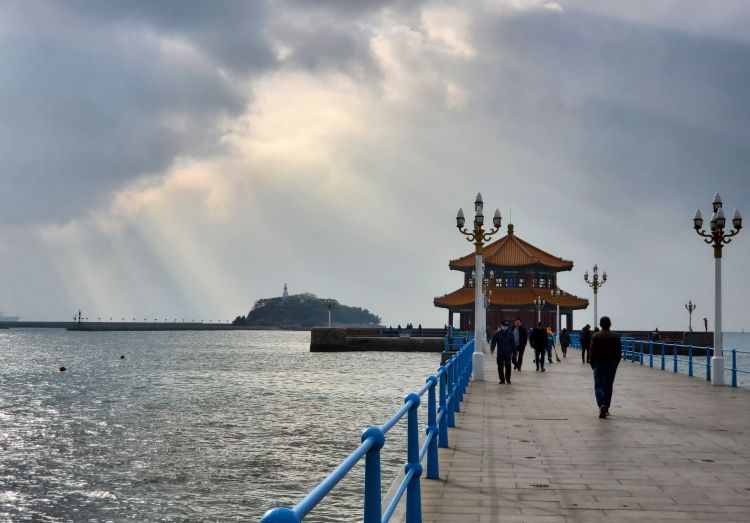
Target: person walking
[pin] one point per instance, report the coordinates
(505, 344)
(538, 341)
(606, 352)
(564, 341)
(585, 340)
(520, 337)
(550, 344)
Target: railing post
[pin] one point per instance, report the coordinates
(413, 495)
(451, 399)
(734, 367)
(373, 500)
(467, 374)
(442, 411)
(651, 354)
(661, 344)
(455, 377)
(708, 363)
(641, 345)
(433, 467)
(690, 361)
(674, 356)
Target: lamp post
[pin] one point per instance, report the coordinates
(539, 303)
(478, 236)
(717, 238)
(690, 306)
(329, 305)
(487, 292)
(556, 294)
(595, 283)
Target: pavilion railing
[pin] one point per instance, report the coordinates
(676, 357)
(450, 381)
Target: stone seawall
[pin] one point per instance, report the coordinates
(336, 340)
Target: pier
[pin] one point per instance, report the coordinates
(674, 448)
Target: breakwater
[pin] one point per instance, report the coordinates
(330, 339)
(130, 326)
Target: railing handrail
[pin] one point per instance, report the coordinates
(664, 350)
(452, 379)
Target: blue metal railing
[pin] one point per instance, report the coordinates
(456, 339)
(451, 381)
(676, 356)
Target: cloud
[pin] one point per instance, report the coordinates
(335, 159)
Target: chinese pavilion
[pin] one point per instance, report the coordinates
(516, 273)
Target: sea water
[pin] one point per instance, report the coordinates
(194, 426)
(190, 426)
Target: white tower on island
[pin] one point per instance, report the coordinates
(285, 296)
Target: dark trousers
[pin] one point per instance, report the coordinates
(549, 353)
(565, 351)
(539, 358)
(585, 354)
(503, 368)
(518, 358)
(604, 378)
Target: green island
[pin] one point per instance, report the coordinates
(303, 311)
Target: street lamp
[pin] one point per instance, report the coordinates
(478, 236)
(690, 306)
(717, 238)
(329, 304)
(539, 303)
(556, 294)
(595, 283)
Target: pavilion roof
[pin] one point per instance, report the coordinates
(512, 251)
(510, 297)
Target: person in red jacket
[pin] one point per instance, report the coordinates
(606, 351)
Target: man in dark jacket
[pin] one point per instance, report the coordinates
(538, 341)
(585, 341)
(606, 351)
(503, 341)
(519, 336)
(564, 341)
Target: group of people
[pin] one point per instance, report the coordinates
(601, 349)
(511, 344)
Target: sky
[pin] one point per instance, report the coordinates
(182, 159)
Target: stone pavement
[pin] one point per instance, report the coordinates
(674, 448)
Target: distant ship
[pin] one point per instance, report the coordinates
(8, 318)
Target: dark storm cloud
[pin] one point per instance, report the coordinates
(96, 94)
(90, 100)
(628, 104)
(230, 32)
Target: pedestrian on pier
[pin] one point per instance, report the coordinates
(585, 340)
(564, 341)
(538, 341)
(606, 352)
(505, 344)
(520, 336)
(550, 344)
